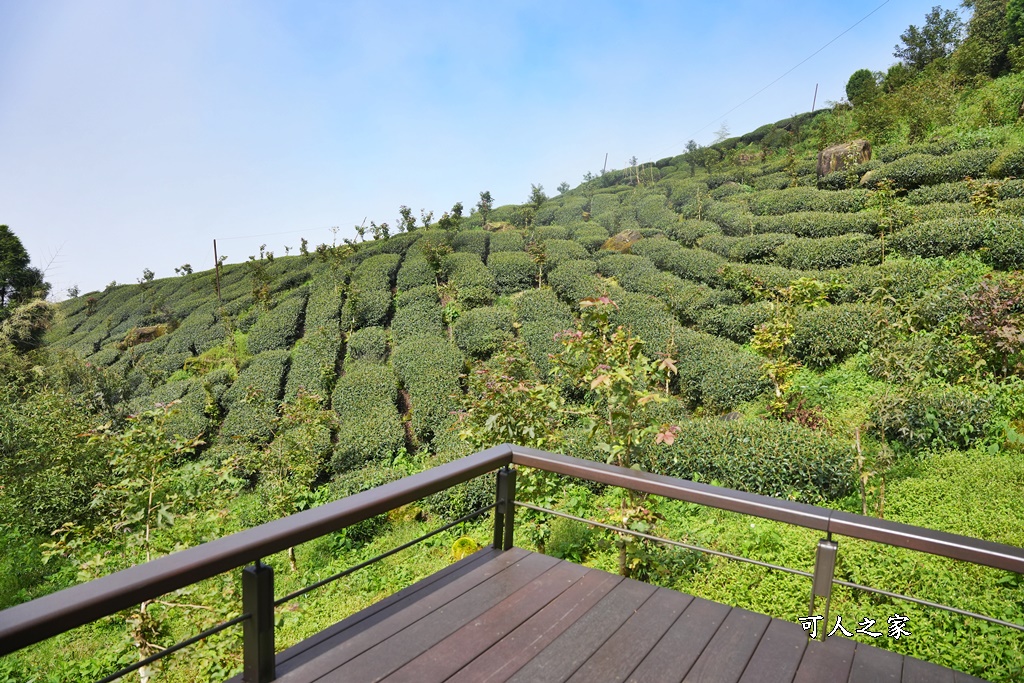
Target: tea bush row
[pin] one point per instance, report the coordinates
(369, 426)
(279, 327)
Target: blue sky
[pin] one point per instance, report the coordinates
(133, 133)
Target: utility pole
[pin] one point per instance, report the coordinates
(216, 266)
(605, 168)
(815, 100)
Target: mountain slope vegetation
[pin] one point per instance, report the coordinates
(853, 339)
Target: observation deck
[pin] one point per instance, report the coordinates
(507, 614)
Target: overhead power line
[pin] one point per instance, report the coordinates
(791, 70)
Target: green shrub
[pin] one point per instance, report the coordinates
(1008, 164)
(538, 305)
(634, 273)
(590, 236)
(1006, 245)
(932, 212)
(370, 428)
(482, 331)
(941, 237)
(750, 249)
(715, 372)
(471, 241)
(733, 322)
(313, 363)
(933, 417)
(417, 320)
(470, 276)
(829, 252)
(356, 481)
(368, 344)
(798, 199)
(263, 375)
(366, 307)
(507, 240)
(558, 252)
(424, 294)
(551, 232)
(943, 192)
(817, 224)
(324, 306)
(429, 367)
(570, 210)
(647, 318)
(512, 271)
(377, 272)
(779, 459)
(278, 328)
(689, 232)
(464, 498)
(574, 281)
(915, 170)
(415, 272)
(828, 335)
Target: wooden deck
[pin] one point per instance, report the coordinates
(520, 616)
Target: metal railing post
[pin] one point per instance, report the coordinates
(824, 571)
(258, 629)
(504, 511)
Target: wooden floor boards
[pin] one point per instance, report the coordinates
(522, 617)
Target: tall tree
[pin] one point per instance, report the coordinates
(984, 51)
(19, 282)
(485, 204)
(940, 35)
(862, 87)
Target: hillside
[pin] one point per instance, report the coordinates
(852, 340)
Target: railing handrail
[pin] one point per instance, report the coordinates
(58, 612)
(47, 616)
(955, 546)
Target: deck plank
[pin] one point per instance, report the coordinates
(874, 665)
(828, 660)
(627, 647)
(506, 657)
(918, 671)
(461, 647)
(674, 655)
(730, 649)
(417, 636)
(777, 655)
(360, 635)
(561, 658)
(293, 656)
(520, 616)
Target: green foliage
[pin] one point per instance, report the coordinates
(829, 252)
(471, 241)
(252, 399)
(279, 327)
(512, 271)
(368, 344)
(313, 363)
(827, 335)
(429, 369)
(735, 322)
(932, 416)
(417, 320)
(939, 36)
(689, 232)
(473, 281)
(507, 240)
(483, 331)
(999, 239)
(771, 458)
(792, 200)
(574, 281)
(751, 249)
(915, 170)
(862, 87)
(19, 282)
(369, 426)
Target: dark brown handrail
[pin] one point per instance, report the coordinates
(64, 610)
(44, 617)
(978, 551)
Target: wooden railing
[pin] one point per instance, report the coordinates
(64, 610)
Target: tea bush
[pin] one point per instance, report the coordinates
(715, 372)
(507, 240)
(558, 252)
(829, 252)
(799, 199)
(943, 192)
(512, 271)
(915, 170)
(415, 272)
(828, 335)
(780, 459)
(279, 327)
(417, 320)
(590, 236)
(313, 364)
(470, 276)
(734, 322)
(933, 416)
(752, 249)
(429, 367)
(482, 331)
(365, 308)
(574, 281)
(471, 241)
(689, 232)
(368, 344)
(817, 224)
(423, 294)
(370, 428)
(551, 232)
